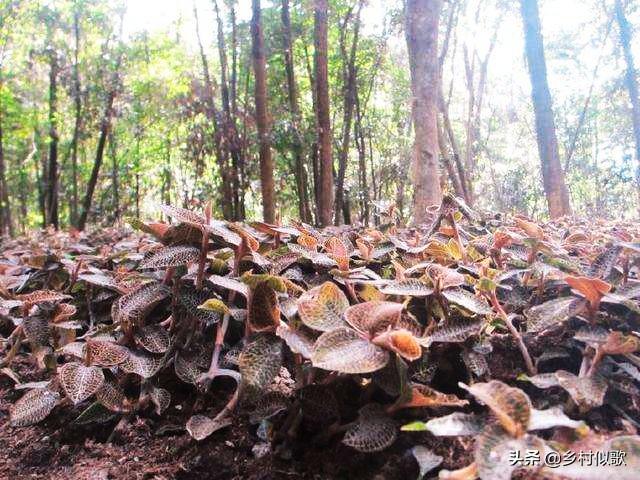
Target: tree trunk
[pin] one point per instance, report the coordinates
(212, 115)
(51, 199)
(262, 116)
(552, 174)
(349, 78)
(362, 162)
(77, 101)
(229, 128)
(5, 207)
(115, 181)
(422, 17)
(631, 81)
(300, 173)
(105, 125)
(325, 190)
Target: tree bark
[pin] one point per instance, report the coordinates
(262, 116)
(362, 161)
(5, 207)
(349, 79)
(631, 81)
(212, 115)
(77, 102)
(229, 127)
(115, 180)
(552, 174)
(325, 190)
(421, 29)
(105, 125)
(52, 169)
(300, 173)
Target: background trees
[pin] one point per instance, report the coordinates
(107, 111)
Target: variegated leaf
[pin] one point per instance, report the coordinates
(344, 351)
(79, 382)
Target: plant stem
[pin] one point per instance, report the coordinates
(531, 369)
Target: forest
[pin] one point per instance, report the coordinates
(265, 239)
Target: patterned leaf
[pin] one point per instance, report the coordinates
(36, 329)
(153, 338)
(586, 392)
(33, 407)
(344, 351)
(79, 382)
(42, 296)
(604, 263)
(553, 312)
(510, 405)
(186, 368)
(411, 288)
(200, 427)
(443, 277)
(260, 360)
(373, 317)
(230, 284)
(105, 354)
(467, 300)
(454, 333)
(134, 306)
(475, 362)
(142, 363)
(161, 398)
(112, 397)
(296, 340)
(264, 309)
(183, 215)
(268, 406)
(371, 433)
(171, 257)
(192, 299)
(321, 308)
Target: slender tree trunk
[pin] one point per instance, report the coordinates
(262, 116)
(631, 81)
(325, 196)
(212, 115)
(300, 173)
(422, 17)
(552, 174)
(105, 125)
(349, 79)
(52, 169)
(6, 226)
(362, 161)
(105, 128)
(115, 181)
(229, 127)
(78, 120)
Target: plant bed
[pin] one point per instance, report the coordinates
(203, 348)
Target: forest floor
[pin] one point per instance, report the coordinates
(145, 445)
